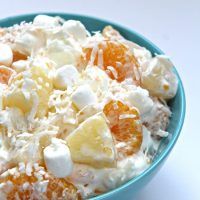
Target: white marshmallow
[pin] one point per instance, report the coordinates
(76, 29)
(97, 79)
(30, 41)
(140, 99)
(6, 55)
(83, 96)
(61, 53)
(44, 20)
(158, 77)
(20, 65)
(58, 159)
(65, 77)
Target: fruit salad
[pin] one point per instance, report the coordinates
(81, 112)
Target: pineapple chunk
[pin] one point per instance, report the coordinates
(17, 99)
(92, 143)
(44, 89)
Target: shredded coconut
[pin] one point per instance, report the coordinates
(126, 116)
(100, 58)
(113, 71)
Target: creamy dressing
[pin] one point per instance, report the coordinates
(89, 179)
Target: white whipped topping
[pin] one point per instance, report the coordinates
(6, 55)
(83, 96)
(58, 159)
(65, 76)
(101, 179)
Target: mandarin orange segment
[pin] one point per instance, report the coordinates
(21, 195)
(18, 56)
(5, 74)
(118, 61)
(63, 190)
(17, 189)
(23, 186)
(125, 125)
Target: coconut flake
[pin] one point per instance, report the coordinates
(29, 169)
(127, 116)
(100, 58)
(113, 71)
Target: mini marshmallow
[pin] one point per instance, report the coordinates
(58, 159)
(159, 78)
(65, 76)
(60, 53)
(44, 20)
(6, 55)
(76, 29)
(19, 65)
(30, 41)
(83, 96)
(140, 99)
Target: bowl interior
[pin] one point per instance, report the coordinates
(177, 104)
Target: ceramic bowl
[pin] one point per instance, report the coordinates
(177, 104)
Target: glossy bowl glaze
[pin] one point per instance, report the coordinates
(177, 104)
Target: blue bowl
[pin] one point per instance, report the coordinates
(177, 104)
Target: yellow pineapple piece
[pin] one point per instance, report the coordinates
(44, 89)
(17, 99)
(92, 143)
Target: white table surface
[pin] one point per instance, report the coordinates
(174, 25)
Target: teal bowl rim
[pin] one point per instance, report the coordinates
(176, 133)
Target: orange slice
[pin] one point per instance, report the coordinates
(5, 74)
(23, 187)
(125, 125)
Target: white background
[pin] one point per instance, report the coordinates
(174, 26)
